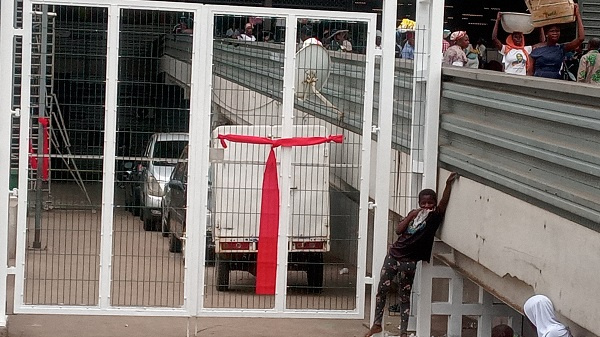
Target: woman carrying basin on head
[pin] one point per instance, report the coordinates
(547, 59)
(516, 55)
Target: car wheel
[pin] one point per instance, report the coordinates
(149, 223)
(165, 225)
(134, 205)
(174, 244)
(314, 274)
(142, 208)
(135, 209)
(127, 204)
(222, 275)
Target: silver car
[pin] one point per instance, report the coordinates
(174, 212)
(161, 155)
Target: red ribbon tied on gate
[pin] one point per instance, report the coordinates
(266, 262)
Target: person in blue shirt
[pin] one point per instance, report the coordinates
(548, 57)
(408, 51)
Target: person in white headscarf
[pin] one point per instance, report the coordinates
(540, 311)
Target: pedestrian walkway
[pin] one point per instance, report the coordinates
(116, 326)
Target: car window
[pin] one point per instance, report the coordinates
(180, 171)
(165, 150)
(185, 173)
(147, 150)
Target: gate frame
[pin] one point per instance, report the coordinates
(199, 108)
(7, 33)
(291, 16)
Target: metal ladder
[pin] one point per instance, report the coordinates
(42, 87)
(59, 142)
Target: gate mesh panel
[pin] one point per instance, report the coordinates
(65, 165)
(152, 133)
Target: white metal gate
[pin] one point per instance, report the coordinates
(137, 88)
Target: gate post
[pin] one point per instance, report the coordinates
(108, 165)
(198, 160)
(434, 83)
(287, 130)
(384, 143)
(430, 14)
(6, 63)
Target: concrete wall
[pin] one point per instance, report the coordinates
(531, 249)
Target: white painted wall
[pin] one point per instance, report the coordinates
(508, 236)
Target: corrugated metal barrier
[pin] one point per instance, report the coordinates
(535, 139)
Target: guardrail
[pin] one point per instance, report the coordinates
(536, 139)
(345, 87)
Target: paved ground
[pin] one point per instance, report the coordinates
(65, 271)
(94, 326)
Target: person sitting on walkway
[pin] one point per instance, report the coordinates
(415, 242)
(515, 53)
(589, 66)
(540, 312)
(455, 55)
(547, 59)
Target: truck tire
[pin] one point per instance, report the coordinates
(210, 256)
(222, 275)
(314, 274)
(174, 244)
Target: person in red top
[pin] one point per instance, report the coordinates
(445, 43)
(415, 242)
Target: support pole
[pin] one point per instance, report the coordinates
(384, 143)
(108, 165)
(433, 94)
(432, 12)
(39, 192)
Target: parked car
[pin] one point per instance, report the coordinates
(160, 157)
(175, 211)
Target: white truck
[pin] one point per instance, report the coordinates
(237, 176)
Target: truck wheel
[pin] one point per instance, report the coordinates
(174, 244)
(210, 256)
(314, 274)
(222, 275)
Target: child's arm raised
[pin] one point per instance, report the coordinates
(443, 204)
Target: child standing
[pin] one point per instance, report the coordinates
(415, 241)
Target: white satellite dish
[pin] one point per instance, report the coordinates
(312, 71)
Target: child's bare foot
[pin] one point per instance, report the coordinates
(376, 328)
